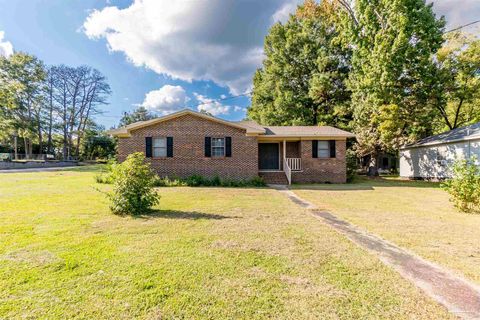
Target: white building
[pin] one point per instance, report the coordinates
(433, 157)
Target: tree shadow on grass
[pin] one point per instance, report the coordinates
(183, 215)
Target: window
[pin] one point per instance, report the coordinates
(323, 149)
(218, 147)
(159, 147)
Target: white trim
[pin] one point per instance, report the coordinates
(435, 143)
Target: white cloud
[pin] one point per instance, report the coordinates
(218, 40)
(284, 12)
(239, 109)
(6, 48)
(166, 100)
(457, 12)
(211, 106)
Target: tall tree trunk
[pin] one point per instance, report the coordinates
(50, 121)
(25, 144)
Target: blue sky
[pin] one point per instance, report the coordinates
(163, 54)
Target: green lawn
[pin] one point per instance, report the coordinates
(206, 253)
(413, 214)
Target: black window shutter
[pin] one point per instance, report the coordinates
(208, 147)
(169, 147)
(228, 146)
(148, 147)
(331, 144)
(314, 149)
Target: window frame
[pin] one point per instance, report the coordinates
(326, 149)
(164, 147)
(214, 147)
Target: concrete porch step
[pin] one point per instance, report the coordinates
(274, 177)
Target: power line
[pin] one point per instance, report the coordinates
(462, 26)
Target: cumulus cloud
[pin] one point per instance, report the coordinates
(166, 100)
(6, 48)
(284, 12)
(457, 12)
(239, 109)
(218, 40)
(211, 106)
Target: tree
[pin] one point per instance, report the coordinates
(96, 144)
(393, 78)
(21, 82)
(77, 93)
(139, 114)
(302, 80)
(458, 63)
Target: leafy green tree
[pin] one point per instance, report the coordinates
(96, 144)
(21, 99)
(458, 63)
(139, 114)
(302, 81)
(393, 76)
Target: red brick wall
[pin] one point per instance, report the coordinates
(189, 134)
(332, 170)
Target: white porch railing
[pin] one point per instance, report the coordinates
(287, 170)
(295, 164)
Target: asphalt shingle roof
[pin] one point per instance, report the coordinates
(469, 132)
(306, 131)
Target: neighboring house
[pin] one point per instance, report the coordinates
(386, 163)
(433, 157)
(187, 142)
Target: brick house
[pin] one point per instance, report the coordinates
(187, 142)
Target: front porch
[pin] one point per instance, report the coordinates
(277, 160)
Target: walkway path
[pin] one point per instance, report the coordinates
(458, 295)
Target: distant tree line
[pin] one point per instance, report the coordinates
(386, 70)
(50, 108)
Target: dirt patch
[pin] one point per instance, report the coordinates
(36, 258)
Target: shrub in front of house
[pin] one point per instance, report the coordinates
(352, 166)
(464, 187)
(133, 186)
(106, 175)
(216, 181)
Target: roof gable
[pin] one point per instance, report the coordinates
(125, 131)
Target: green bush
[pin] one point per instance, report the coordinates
(168, 182)
(133, 186)
(216, 181)
(195, 181)
(465, 185)
(106, 175)
(352, 165)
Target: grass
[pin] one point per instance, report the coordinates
(205, 253)
(413, 214)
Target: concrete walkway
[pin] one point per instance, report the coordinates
(458, 295)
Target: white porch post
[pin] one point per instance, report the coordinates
(284, 149)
